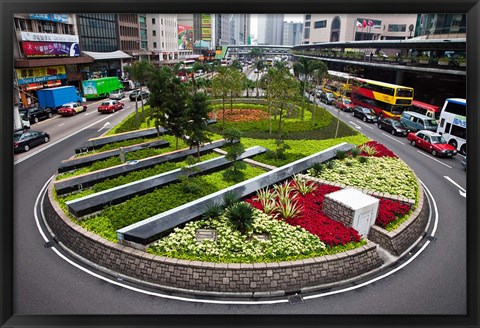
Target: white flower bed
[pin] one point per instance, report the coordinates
(382, 174)
(284, 241)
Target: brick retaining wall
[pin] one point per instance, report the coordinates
(207, 277)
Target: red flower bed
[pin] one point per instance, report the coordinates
(312, 218)
(332, 232)
(389, 210)
(382, 151)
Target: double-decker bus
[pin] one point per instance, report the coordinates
(338, 83)
(453, 123)
(386, 99)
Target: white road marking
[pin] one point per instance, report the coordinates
(366, 125)
(436, 160)
(89, 113)
(61, 124)
(355, 125)
(386, 135)
(104, 126)
(462, 191)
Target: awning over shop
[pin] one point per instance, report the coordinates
(107, 55)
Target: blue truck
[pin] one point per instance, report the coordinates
(54, 98)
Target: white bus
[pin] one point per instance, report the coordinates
(453, 123)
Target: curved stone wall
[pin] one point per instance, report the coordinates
(258, 279)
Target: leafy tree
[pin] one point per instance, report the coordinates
(139, 71)
(259, 66)
(237, 65)
(227, 83)
(303, 68)
(318, 75)
(158, 86)
(175, 109)
(197, 130)
(187, 184)
(234, 150)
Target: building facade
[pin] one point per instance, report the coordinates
(129, 33)
(356, 27)
(46, 53)
(270, 29)
(292, 33)
(441, 26)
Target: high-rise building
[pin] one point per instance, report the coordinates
(355, 27)
(292, 33)
(441, 26)
(270, 29)
(164, 37)
(231, 29)
(129, 33)
(98, 32)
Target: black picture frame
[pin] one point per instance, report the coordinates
(9, 7)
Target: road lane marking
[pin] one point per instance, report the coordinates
(355, 125)
(462, 191)
(386, 135)
(436, 160)
(366, 125)
(104, 126)
(61, 124)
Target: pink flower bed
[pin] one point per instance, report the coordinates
(382, 151)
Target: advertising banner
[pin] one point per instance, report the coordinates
(89, 87)
(48, 37)
(185, 37)
(61, 18)
(206, 27)
(50, 49)
(368, 23)
(40, 74)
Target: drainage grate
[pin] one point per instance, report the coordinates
(431, 238)
(49, 244)
(295, 299)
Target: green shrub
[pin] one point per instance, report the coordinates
(230, 198)
(355, 152)
(241, 216)
(363, 159)
(340, 154)
(213, 211)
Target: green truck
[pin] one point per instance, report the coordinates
(100, 88)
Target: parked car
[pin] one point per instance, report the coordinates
(138, 95)
(71, 109)
(327, 98)
(110, 106)
(25, 140)
(366, 114)
(35, 114)
(416, 122)
(395, 127)
(432, 142)
(117, 95)
(344, 104)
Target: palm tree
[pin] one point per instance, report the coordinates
(139, 71)
(305, 67)
(318, 75)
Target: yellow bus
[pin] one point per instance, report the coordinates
(386, 99)
(338, 83)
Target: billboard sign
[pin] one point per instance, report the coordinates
(206, 27)
(48, 37)
(61, 18)
(361, 23)
(50, 49)
(185, 37)
(40, 74)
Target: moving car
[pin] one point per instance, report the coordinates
(393, 126)
(71, 109)
(366, 114)
(431, 142)
(416, 122)
(327, 98)
(110, 106)
(25, 140)
(138, 95)
(35, 114)
(344, 104)
(117, 95)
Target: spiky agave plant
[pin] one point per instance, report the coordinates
(284, 191)
(302, 185)
(288, 208)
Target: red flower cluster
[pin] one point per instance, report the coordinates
(382, 151)
(312, 218)
(389, 210)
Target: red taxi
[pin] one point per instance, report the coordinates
(344, 104)
(432, 142)
(110, 106)
(71, 109)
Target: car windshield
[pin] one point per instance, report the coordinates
(438, 140)
(106, 103)
(397, 124)
(17, 135)
(367, 111)
(346, 101)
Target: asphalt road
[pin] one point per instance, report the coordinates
(47, 283)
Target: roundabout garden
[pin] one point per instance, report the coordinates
(252, 204)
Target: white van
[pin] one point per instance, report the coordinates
(20, 122)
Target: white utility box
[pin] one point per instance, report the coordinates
(353, 208)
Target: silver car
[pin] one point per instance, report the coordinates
(117, 95)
